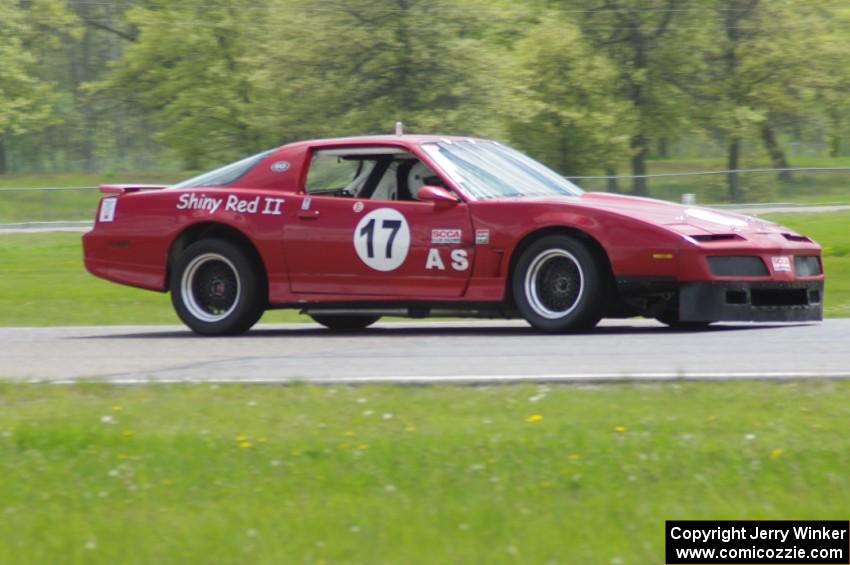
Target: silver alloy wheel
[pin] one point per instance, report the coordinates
(210, 287)
(554, 283)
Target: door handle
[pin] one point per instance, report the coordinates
(308, 214)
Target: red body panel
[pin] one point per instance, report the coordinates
(308, 251)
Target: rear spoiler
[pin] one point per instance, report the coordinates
(124, 188)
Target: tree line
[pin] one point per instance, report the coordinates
(586, 86)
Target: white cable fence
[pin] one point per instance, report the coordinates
(75, 205)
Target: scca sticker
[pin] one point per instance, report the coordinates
(280, 166)
(382, 239)
(444, 235)
(781, 264)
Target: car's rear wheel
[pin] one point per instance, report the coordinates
(217, 289)
(559, 285)
(345, 322)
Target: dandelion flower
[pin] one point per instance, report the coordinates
(246, 444)
(620, 429)
(117, 408)
(776, 453)
(127, 433)
(534, 418)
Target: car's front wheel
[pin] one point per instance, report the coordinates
(559, 285)
(345, 322)
(217, 289)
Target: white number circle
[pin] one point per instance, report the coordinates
(382, 239)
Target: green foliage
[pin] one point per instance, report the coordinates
(190, 69)
(587, 87)
(25, 99)
(565, 109)
(307, 474)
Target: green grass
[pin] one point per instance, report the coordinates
(807, 187)
(43, 282)
(514, 474)
(832, 231)
(65, 205)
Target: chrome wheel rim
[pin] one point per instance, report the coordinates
(210, 287)
(554, 283)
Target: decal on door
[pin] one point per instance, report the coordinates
(382, 239)
(445, 235)
(459, 260)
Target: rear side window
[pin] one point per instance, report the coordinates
(226, 174)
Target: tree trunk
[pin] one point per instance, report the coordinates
(3, 163)
(777, 155)
(663, 148)
(732, 176)
(639, 184)
(613, 182)
(81, 73)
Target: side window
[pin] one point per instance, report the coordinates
(331, 173)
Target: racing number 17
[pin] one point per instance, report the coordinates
(369, 231)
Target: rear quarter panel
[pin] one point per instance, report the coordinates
(133, 249)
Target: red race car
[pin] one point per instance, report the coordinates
(349, 230)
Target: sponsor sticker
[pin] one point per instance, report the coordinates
(482, 237)
(107, 209)
(280, 166)
(781, 264)
(305, 204)
(358, 207)
(446, 235)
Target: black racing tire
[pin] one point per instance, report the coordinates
(559, 285)
(217, 288)
(346, 322)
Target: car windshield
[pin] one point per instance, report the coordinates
(226, 174)
(486, 170)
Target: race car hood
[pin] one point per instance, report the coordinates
(687, 220)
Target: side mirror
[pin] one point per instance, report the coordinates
(436, 194)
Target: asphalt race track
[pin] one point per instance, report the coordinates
(431, 352)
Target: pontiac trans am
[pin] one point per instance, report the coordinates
(349, 230)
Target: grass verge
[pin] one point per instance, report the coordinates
(43, 282)
(65, 205)
(832, 231)
(508, 474)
